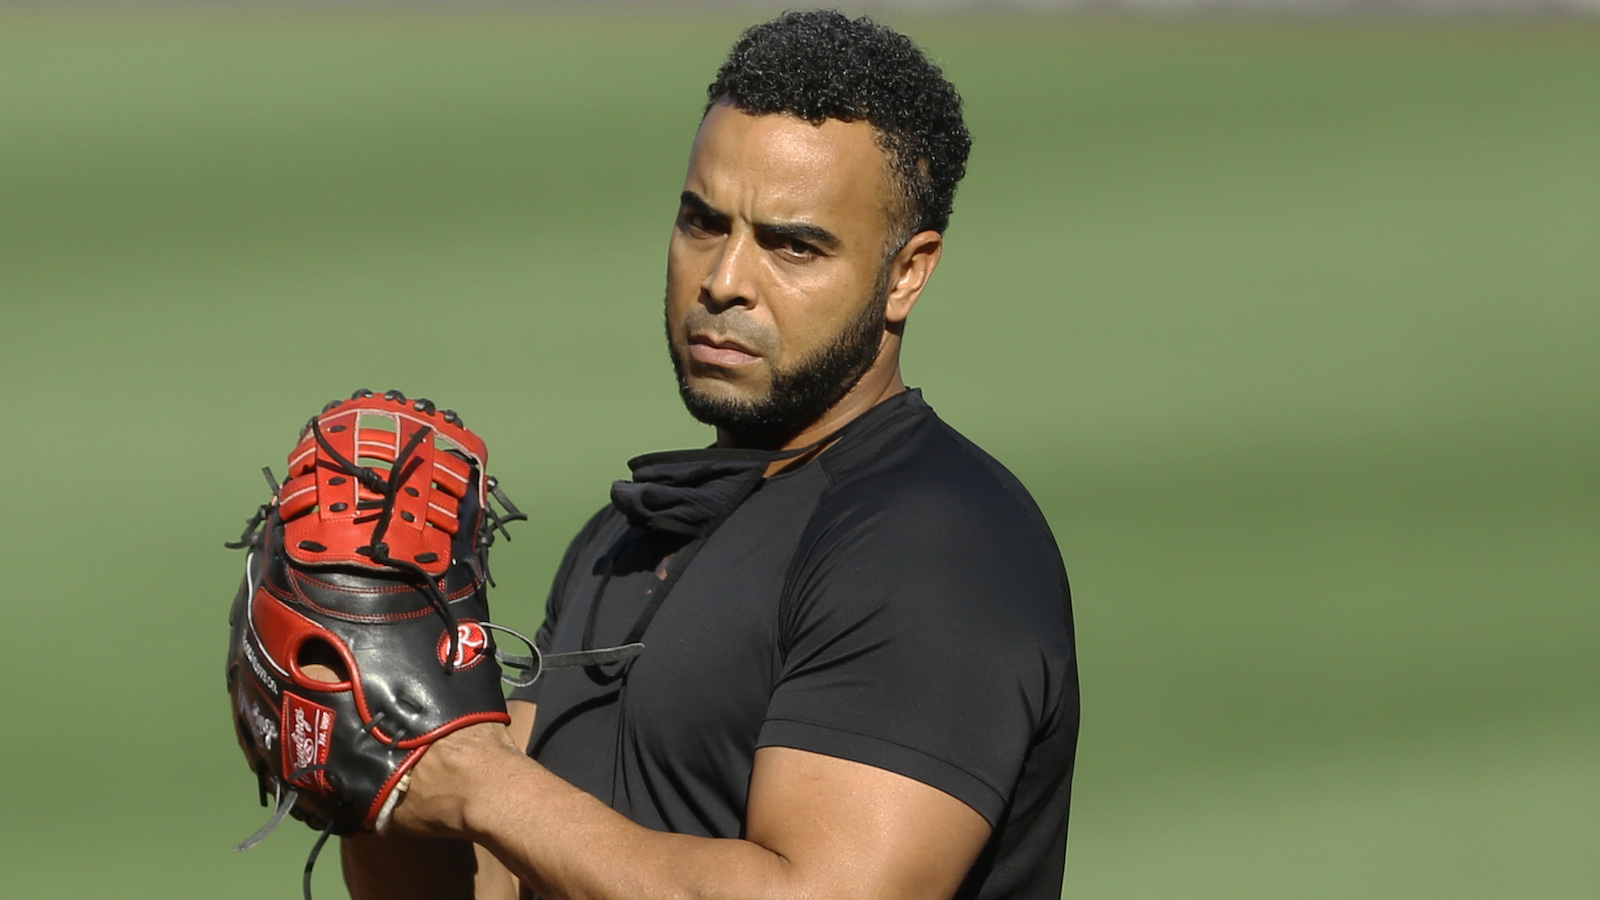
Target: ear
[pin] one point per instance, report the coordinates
(911, 268)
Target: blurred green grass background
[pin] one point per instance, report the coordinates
(1290, 327)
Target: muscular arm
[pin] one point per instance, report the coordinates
(397, 866)
(816, 827)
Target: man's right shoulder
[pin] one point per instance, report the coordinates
(605, 525)
(591, 542)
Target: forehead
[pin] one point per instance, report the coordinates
(781, 167)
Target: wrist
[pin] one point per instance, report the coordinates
(453, 774)
(488, 769)
(390, 803)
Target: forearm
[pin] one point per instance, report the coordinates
(816, 826)
(404, 867)
(568, 845)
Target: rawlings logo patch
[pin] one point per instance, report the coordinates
(472, 644)
(308, 729)
(261, 725)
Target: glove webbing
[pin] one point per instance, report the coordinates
(404, 467)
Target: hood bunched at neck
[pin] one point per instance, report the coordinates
(686, 491)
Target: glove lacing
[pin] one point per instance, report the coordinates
(286, 801)
(378, 551)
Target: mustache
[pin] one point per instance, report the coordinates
(733, 324)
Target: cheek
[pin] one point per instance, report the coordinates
(682, 289)
(811, 317)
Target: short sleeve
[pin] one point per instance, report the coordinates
(554, 601)
(925, 633)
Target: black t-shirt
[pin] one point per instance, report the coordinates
(899, 601)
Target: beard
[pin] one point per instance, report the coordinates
(802, 393)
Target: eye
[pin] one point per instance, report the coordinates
(791, 248)
(696, 223)
(798, 249)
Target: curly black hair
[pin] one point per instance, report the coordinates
(822, 65)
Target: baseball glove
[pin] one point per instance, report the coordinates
(360, 633)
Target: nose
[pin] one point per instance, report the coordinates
(731, 281)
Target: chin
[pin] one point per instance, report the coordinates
(714, 390)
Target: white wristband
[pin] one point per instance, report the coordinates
(393, 800)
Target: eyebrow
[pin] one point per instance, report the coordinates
(788, 231)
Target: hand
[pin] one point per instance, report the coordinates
(451, 771)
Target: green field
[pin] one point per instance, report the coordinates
(1291, 328)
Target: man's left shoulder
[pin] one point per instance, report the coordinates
(920, 527)
(917, 479)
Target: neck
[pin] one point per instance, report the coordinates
(878, 384)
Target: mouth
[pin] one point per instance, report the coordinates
(723, 352)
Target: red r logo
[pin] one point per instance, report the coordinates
(472, 644)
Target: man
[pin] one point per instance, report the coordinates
(858, 677)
